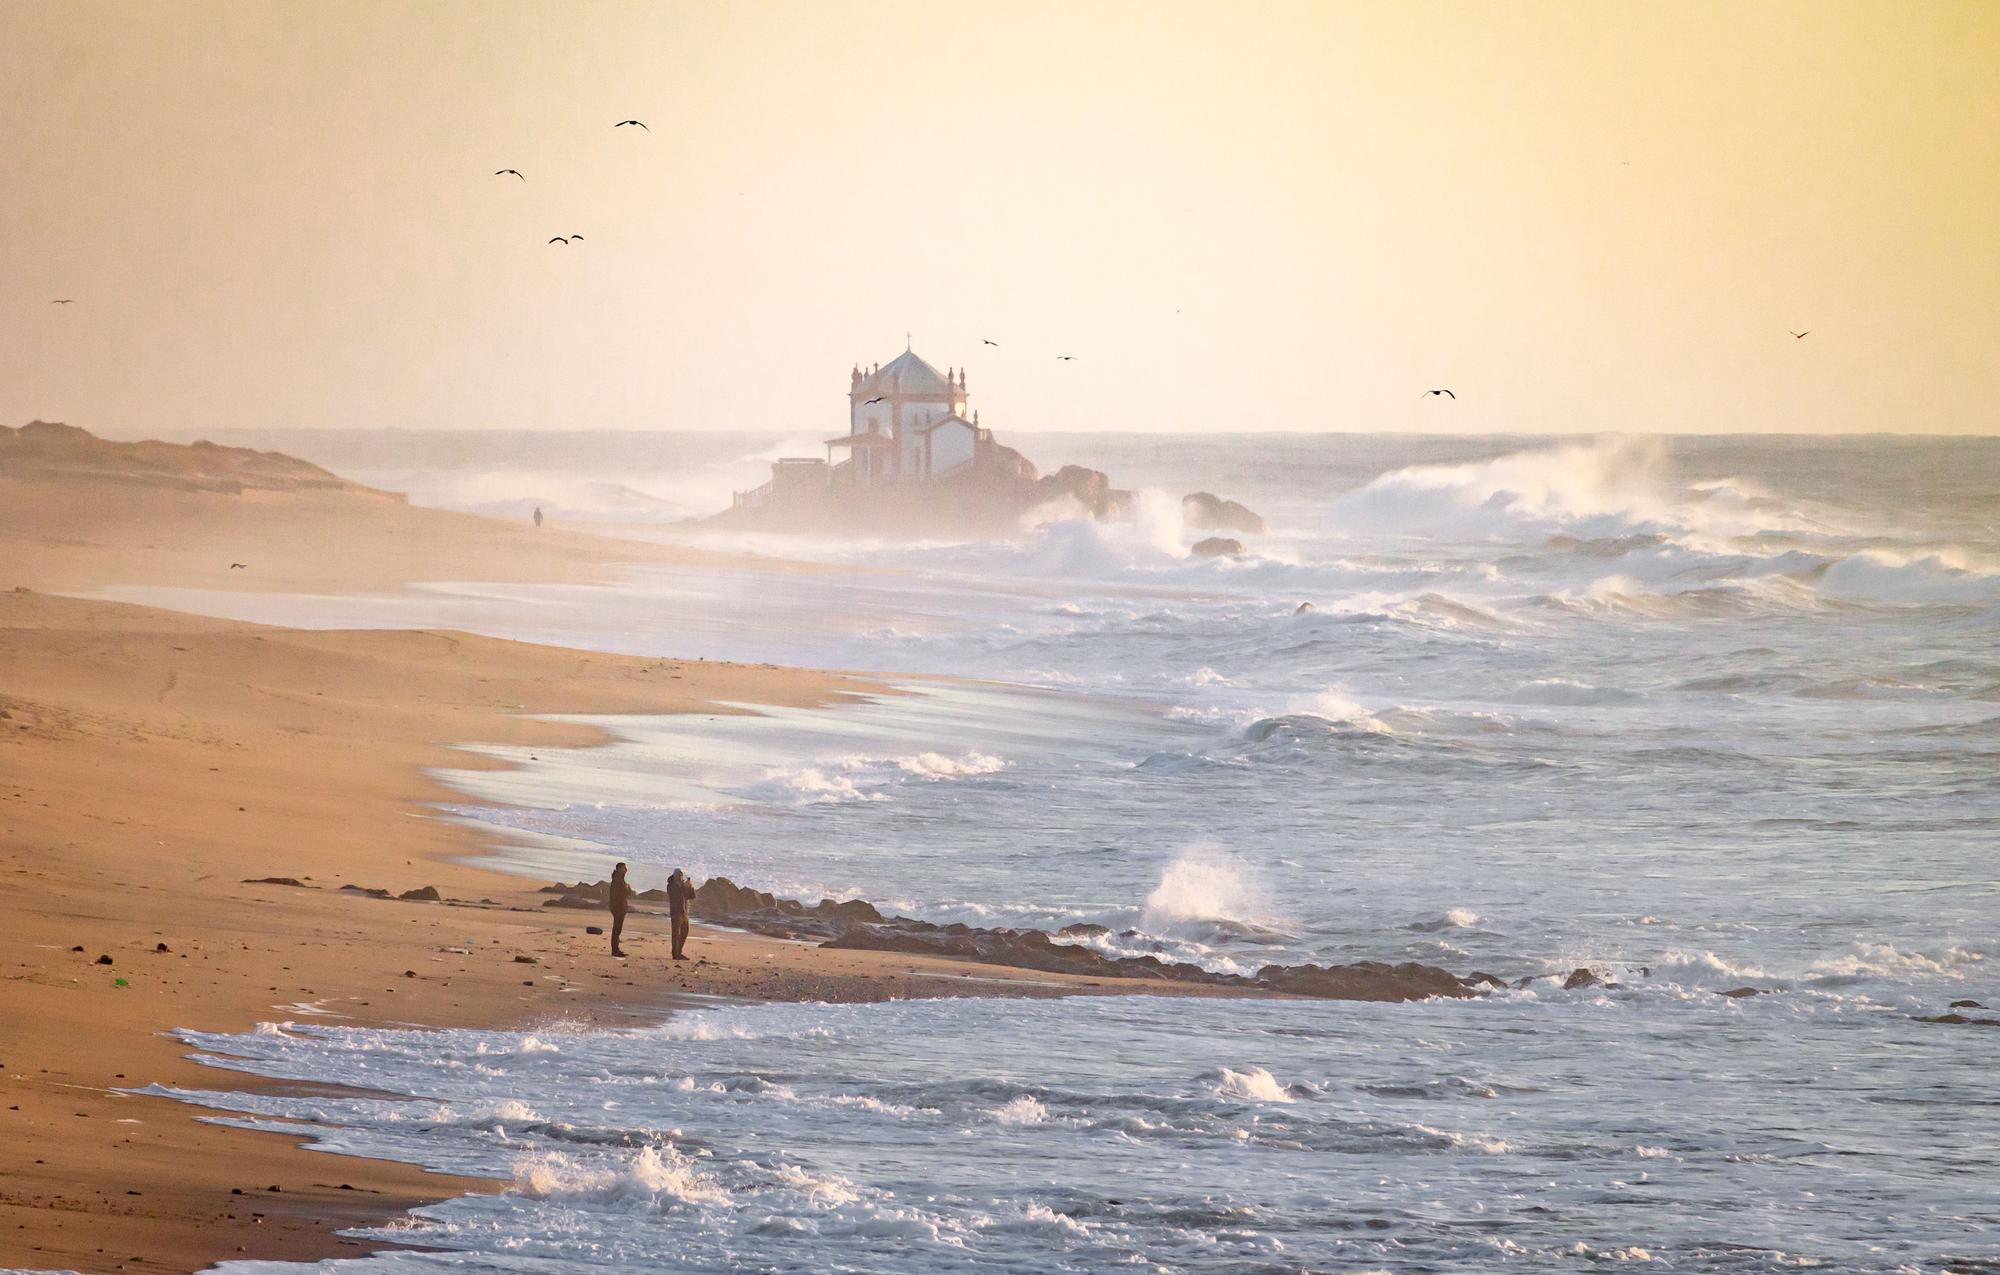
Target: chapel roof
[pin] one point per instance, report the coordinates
(906, 374)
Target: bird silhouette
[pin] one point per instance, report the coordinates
(994, 344)
(576, 238)
(504, 171)
(236, 566)
(1800, 336)
(1440, 392)
(623, 123)
(1065, 358)
(876, 399)
(63, 301)
(559, 239)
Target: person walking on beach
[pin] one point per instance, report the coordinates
(679, 895)
(538, 515)
(619, 897)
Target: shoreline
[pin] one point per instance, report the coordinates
(216, 752)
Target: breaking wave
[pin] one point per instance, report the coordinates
(866, 778)
(1607, 492)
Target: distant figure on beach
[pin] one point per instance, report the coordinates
(679, 895)
(538, 515)
(619, 896)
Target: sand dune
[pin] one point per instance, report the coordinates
(79, 512)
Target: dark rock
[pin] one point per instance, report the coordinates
(526, 960)
(291, 881)
(1738, 993)
(1479, 978)
(160, 947)
(104, 960)
(1217, 547)
(1957, 1020)
(422, 894)
(856, 925)
(593, 929)
(1364, 981)
(1083, 930)
(409, 973)
(1206, 511)
(853, 911)
(362, 889)
(1967, 1005)
(1580, 978)
(1087, 487)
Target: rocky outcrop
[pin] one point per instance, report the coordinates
(1088, 488)
(1217, 547)
(1364, 981)
(856, 925)
(1206, 511)
(995, 496)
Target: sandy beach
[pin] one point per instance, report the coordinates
(156, 765)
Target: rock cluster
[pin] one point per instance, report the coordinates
(856, 925)
(1206, 511)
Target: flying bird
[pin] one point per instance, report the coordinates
(1800, 336)
(623, 123)
(1065, 358)
(876, 399)
(1440, 392)
(503, 172)
(994, 344)
(576, 238)
(236, 566)
(63, 301)
(559, 239)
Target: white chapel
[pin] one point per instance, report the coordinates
(907, 423)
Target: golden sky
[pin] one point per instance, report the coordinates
(1579, 216)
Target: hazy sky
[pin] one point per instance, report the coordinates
(1578, 216)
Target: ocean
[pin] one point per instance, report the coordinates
(1699, 713)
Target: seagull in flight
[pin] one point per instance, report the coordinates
(559, 239)
(1800, 336)
(1065, 358)
(503, 172)
(1440, 392)
(63, 301)
(236, 566)
(876, 399)
(994, 344)
(623, 123)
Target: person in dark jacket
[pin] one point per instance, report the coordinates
(680, 894)
(619, 897)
